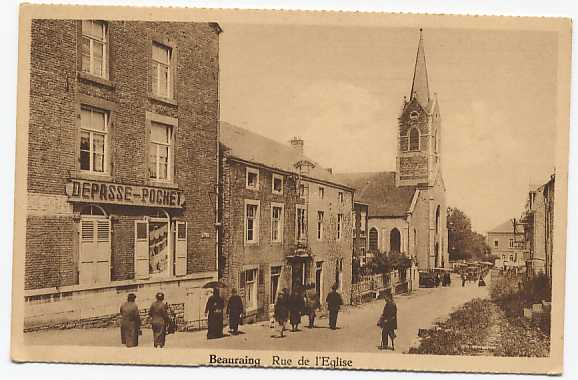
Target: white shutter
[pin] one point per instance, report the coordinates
(181, 249)
(102, 258)
(141, 249)
(88, 251)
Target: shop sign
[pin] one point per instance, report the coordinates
(114, 193)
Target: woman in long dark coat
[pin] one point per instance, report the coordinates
(388, 322)
(282, 310)
(214, 311)
(159, 320)
(296, 306)
(129, 322)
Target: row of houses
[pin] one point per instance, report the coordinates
(526, 244)
(134, 185)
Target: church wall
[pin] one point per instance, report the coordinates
(384, 227)
(421, 222)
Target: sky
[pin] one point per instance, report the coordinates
(340, 88)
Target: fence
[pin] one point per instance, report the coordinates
(374, 286)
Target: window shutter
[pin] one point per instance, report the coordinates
(102, 257)
(88, 251)
(181, 249)
(141, 249)
(242, 280)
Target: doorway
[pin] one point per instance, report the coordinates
(395, 241)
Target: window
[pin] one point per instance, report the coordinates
(302, 191)
(250, 287)
(339, 226)
(277, 184)
(93, 140)
(363, 220)
(251, 221)
(301, 223)
(275, 274)
(413, 139)
(160, 151)
(373, 239)
(252, 179)
(496, 243)
(276, 223)
(511, 243)
(320, 217)
(512, 258)
(321, 192)
(340, 197)
(161, 71)
(94, 48)
(362, 252)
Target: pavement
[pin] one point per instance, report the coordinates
(357, 330)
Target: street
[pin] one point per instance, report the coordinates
(357, 330)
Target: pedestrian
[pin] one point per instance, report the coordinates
(463, 280)
(129, 322)
(282, 310)
(449, 279)
(481, 281)
(214, 312)
(296, 306)
(388, 322)
(311, 304)
(160, 320)
(334, 302)
(234, 311)
(437, 279)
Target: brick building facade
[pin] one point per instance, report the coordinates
(122, 165)
(538, 227)
(272, 213)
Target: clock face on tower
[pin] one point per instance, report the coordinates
(413, 115)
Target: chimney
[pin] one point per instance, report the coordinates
(297, 144)
(330, 170)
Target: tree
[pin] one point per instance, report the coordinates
(463, 243)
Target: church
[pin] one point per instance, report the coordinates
(407, 207)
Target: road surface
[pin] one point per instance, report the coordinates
(357, 330)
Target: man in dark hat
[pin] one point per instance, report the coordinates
(234, 311)
(159, 320)
(388, 322)
(334, 302)
(129, 322)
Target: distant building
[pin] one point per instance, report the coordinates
(538, 223)
(507, 246)
(407, 208)
(122, 166)
(286, 221)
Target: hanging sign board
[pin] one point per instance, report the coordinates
(115, 193)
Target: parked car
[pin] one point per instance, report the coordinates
(426, 280)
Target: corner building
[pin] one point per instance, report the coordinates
(122, 166)
(286, 223)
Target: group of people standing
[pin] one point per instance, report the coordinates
(162, 321)
(290, 307)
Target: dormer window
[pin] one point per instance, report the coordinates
(413, 139)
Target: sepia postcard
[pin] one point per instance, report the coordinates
(291, 189)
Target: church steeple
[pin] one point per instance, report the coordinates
(420, 87)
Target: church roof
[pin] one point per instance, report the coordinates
(379, 191)
(505, 228)
(253, 147)
(420, 86)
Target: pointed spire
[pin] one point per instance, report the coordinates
(420, 87)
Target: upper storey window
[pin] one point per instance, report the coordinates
(161, 71)
(94, 48)
(413, 139)
(93, 140)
